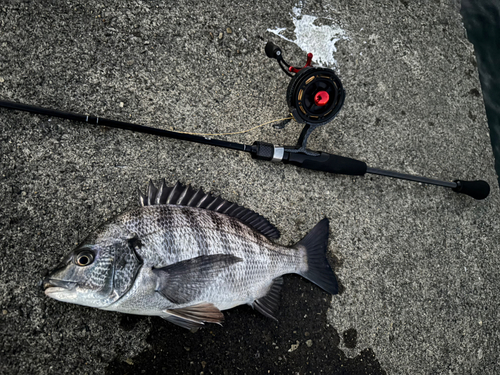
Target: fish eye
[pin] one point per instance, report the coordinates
(84, 258)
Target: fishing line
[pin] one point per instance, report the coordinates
(233, 133)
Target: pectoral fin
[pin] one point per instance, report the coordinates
(194, 316)
(185, 281)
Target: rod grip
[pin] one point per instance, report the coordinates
(478, 189)
(328, 163)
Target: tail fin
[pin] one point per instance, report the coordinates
(319, 271)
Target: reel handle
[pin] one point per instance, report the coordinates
(273, 51)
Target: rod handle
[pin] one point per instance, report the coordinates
(478, 189)
(328, 163)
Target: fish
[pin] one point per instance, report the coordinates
(185, 255)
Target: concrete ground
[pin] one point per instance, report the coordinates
(418, 264)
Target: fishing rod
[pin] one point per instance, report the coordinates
(314, 96)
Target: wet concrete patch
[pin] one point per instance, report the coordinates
(249, 343)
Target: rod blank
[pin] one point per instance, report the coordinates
(124, 125)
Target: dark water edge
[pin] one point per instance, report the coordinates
(482, 21)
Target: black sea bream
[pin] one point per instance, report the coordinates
(184, 256)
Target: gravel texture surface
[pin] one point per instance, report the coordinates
(418, 264)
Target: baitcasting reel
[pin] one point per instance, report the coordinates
(314, 96)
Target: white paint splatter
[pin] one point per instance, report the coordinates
(319, 40)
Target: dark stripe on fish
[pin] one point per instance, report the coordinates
(197, 229)
(236, 226)
(248, 233)
(220, 228)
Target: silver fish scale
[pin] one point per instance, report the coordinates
(171, 234)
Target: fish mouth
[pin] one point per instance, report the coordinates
(52, 285)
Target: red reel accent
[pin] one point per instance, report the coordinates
(308, 63)
(321, 98)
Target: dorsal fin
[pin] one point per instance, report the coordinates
(187, 196)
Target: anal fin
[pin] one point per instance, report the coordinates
(269, 304)
(194, 316)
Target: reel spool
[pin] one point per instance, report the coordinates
(314, 96)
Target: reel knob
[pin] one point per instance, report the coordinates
(321, 98)
(315, 96)
(273, 51)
